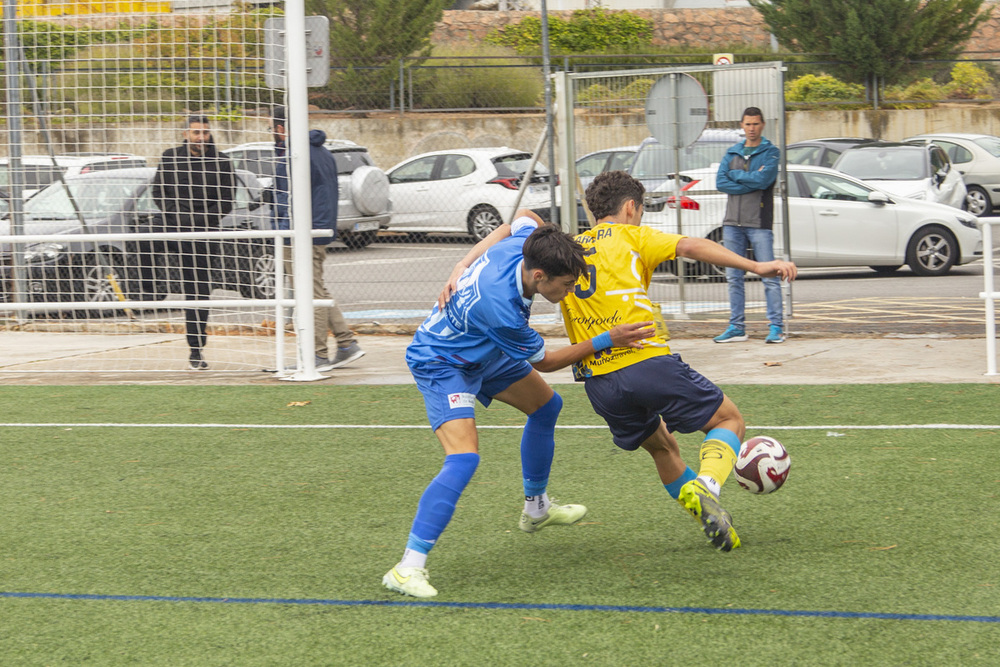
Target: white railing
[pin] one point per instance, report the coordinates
(990, 295)
(279, 304)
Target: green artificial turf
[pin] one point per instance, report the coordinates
(897, 522)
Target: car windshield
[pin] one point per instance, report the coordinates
(885, 164)
(349, 161)
(656, 160)
(517, 164)
(991, 144)
(95, 199)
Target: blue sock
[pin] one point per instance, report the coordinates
(726, 436)
(538, 445)
(674, 488)
(438, 502)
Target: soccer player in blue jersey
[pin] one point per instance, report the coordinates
(645, 393)
(479, 346)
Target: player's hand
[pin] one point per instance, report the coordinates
(632, 334)
(778, 267)
(451, 286)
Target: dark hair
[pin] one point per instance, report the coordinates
(554, 252)
(197, 118)
(278, 115)
(609, 191)
(752, 111)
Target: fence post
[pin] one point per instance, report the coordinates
(989, 295)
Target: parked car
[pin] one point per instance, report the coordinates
(839, 220)
(977, 159)
(908, 170)
(364, 206)
(39, 170)
(121, 201)
(608, 159)
(468, 190)
(821, 152)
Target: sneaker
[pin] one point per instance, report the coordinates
(322, 364)
(776, 335)
(716, 523)
(409, 581)
(558, 515)
(346, 355)
(731, 335)
(196, 361)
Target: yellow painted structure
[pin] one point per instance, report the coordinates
(41, 8)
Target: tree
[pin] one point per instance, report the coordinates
(874, 37)
(369, 39)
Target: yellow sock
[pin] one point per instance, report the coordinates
(717, 460)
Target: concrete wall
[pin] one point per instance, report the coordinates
(391, 138)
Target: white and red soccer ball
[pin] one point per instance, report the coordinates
(762, 465)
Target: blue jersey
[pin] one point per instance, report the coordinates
(487, 316)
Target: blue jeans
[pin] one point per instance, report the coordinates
(762, 241)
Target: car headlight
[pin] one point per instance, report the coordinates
(968, 222)
(43, 252)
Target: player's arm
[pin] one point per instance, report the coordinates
(623, 335)
(497, 235)
(704, 250)
(763, 177)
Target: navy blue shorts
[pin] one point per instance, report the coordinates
(633, 399)
(451, 393)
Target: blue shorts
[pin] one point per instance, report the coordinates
(633, 399)
(451, 393)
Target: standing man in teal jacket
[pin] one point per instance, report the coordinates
(747, 174)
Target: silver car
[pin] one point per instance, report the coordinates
(977, 158)
(364, 206)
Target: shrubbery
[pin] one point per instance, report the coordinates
(587, 31)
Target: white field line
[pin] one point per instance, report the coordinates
(577, 427)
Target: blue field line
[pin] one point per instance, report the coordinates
(511, 606)
(565, 427)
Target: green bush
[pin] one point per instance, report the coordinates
(604, 98)
(454, 81)
(910, 96)
(587, 31)
(822, 90)
(968, 82)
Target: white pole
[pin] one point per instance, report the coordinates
(989, 294)
(299, 184)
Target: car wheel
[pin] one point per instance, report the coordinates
(977, 201)
(483, 219)
(257, 277)
(932, 251)
(358, 240)
(90, 282)
(707, 270)
(885, 269)
(370, 190)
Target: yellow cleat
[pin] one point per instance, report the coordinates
(716, 523)
(558, 515)
(409, 581)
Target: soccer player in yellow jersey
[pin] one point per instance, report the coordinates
(644, 394)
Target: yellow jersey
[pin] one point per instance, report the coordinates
(620, 262)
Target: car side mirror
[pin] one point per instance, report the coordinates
(878, 198)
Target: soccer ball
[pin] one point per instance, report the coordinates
(762, 466)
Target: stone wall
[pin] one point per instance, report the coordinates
(672, 27)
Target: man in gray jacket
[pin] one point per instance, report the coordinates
(747, 173)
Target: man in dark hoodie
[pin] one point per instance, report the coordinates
(747, 173)
(325, 194)
(195, 187)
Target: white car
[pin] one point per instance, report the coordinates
(908, 170)
(977, 158)
(838, 220)
(468, 190)
(37, 171)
